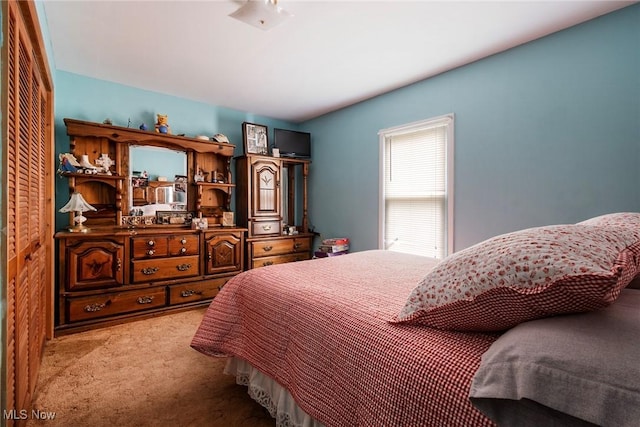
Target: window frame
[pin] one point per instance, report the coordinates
(383, 134)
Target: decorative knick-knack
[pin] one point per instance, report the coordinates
(143, 126)
(86, 164)
(162, 126)
(199, 176)
(68, 163)
(105, 162)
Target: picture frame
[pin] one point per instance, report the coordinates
(174, 217)
(180, 183)
(139, 182)
(255, 138)
(136, 220)
(228, 219)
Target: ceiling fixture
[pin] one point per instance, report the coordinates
(263, 14)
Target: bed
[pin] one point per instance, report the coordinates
(379, 338)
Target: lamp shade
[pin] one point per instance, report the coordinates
(263, 14)
(77, 203)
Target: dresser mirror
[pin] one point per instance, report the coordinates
(158, 180)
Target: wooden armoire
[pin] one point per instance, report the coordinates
(266, 201)
(27, 206)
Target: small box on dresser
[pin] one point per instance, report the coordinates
(333, 247)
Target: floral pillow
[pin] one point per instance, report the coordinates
(528, 274)
(627, 220)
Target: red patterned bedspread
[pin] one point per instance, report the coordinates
(320, 328)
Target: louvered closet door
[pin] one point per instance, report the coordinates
(37, 237)
(29, 242)
(12, 186)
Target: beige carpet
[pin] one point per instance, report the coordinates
(140, 374)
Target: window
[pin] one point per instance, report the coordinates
(416, 202)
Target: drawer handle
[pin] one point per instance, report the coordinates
(267, 248)
(183, 241)
(145, 300)
(151, 243)
(150, 270)
(297, 245)
(183, 267)
(190, 292)
(266, 227)
(151, 252)
(183, 250)
(93, 308)
(266, 263)
(118, 264)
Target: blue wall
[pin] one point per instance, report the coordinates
(44, 29)
(84, 98)
(548, 132)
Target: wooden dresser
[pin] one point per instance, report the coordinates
(271, 199)
(110, 275)
(263, 251)
(129, 266)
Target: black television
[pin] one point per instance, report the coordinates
(292, 143)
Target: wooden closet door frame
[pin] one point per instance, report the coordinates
(28, 21)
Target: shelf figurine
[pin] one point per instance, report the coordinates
(87, 166)
(105, 162)
(162, 126)
(68, 163)
(199, 176)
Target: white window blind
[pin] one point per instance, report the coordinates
(415, 189)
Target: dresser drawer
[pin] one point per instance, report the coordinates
(198, 291)
(279, 259)
(265, 228)
(151, 246)
(184, 245)
(149, 270)
(84, 308)
(280, 246)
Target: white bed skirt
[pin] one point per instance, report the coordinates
(268, 393)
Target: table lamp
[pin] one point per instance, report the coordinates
(78, 205)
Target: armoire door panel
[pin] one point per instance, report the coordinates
(265, 201)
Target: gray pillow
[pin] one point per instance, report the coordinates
(567, 370)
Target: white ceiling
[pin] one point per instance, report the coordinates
(329, 55)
